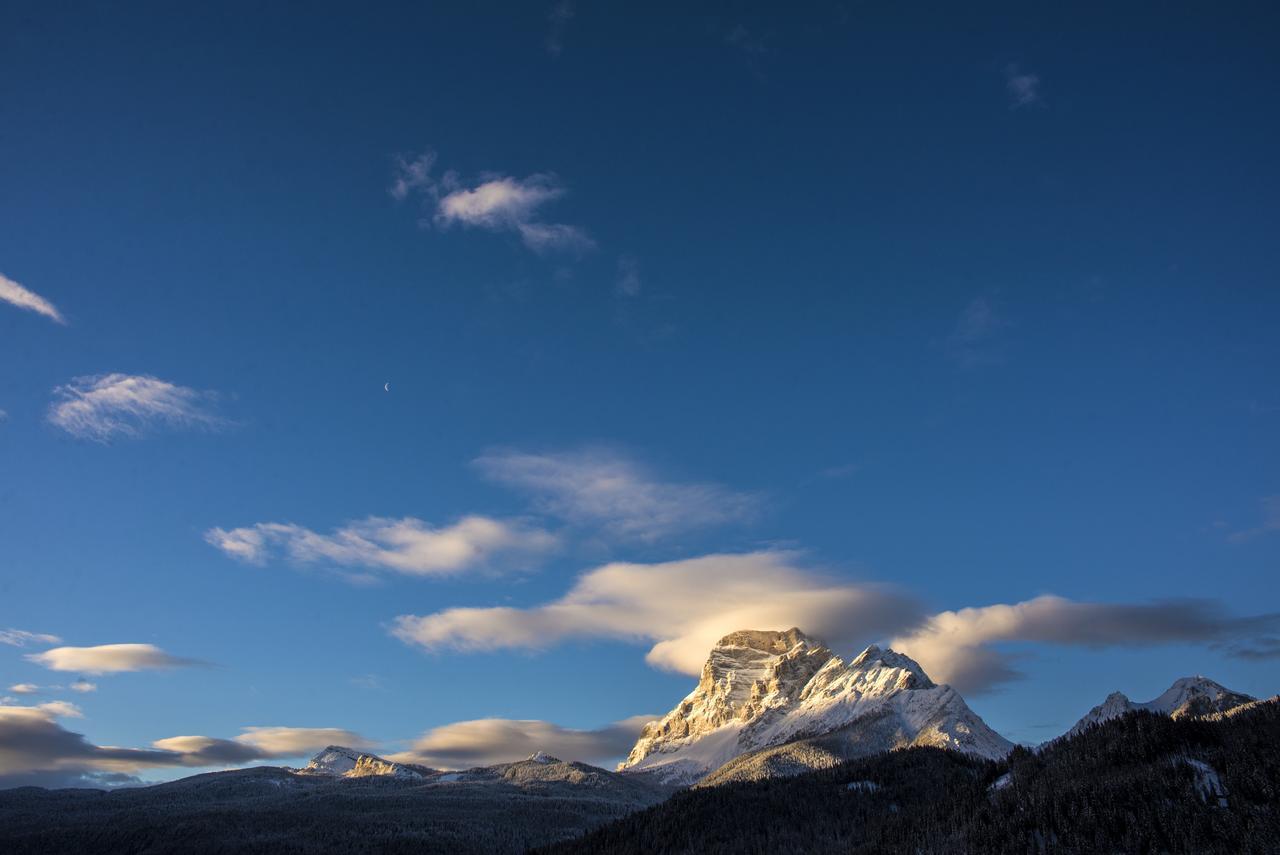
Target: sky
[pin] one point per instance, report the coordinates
(445, 379)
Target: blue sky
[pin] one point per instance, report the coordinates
(910, 313)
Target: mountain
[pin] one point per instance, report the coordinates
(337, 761)
(778, 703)
(1188, 696)
(325, 808)
(1142, 782)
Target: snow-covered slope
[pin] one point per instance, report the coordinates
(760, 690)
(339, 762)
(1188, 696)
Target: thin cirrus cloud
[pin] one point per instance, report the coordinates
(21, 637)
(109, 659)
(1022, 87)
(604, 488)
(487, 741)
(682, 608)
(408, 545)
(496, 203)
(1270, 523)
(106, 406)
(16, 295)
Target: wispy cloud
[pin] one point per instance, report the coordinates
(954, 646)
(406, 545)
(496, 203)
(629, 283)
(109, 659)
(558, 19)
(681, 607)
(487, 741)
(16, 295)
(111, 405)
(1270, 523)
(21, 638)
(1023, 87)
(605, 488)
(25, 689)
(970, 342)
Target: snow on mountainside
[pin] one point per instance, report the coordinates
(761, 690)
(1188, 696)
(339, 762)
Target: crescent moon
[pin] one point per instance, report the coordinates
(386, 387)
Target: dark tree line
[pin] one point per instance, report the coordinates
(1124, 786)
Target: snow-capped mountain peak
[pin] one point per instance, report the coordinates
(341, 762)
(766, 688)
(1188, 696)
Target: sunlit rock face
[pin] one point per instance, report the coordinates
(761, 689)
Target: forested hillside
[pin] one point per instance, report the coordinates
(1139, 783)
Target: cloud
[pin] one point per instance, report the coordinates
(208, 751)
(293, 741)
(61, 709)
(406, 545)
(83, 686)
(599, 487)
(558, 18)
(109, 659)
(24, 689)
(14, 294)
(108, 405)
(487, 741)
(1023, 89)
(497, 203)
(681, 607)
(1269, 525)
(21, 638)
(746, 41)
(953, 646)
(969, 343)
(629, 283)
(36, 750)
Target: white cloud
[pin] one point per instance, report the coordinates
(294, 741)
(406, 545)
(21, 638)
(497, 203)
(970, 341)
(107, 405)
(1023, 89)
(487, 741)
(14, 294)
(24, 688)
(682, 607)
(598, 487)
(954, 646)
(61, 709)
(109, 659)
(83, 686)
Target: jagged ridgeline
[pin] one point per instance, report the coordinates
(1140, 782)
(780, 703)
(782, 746)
